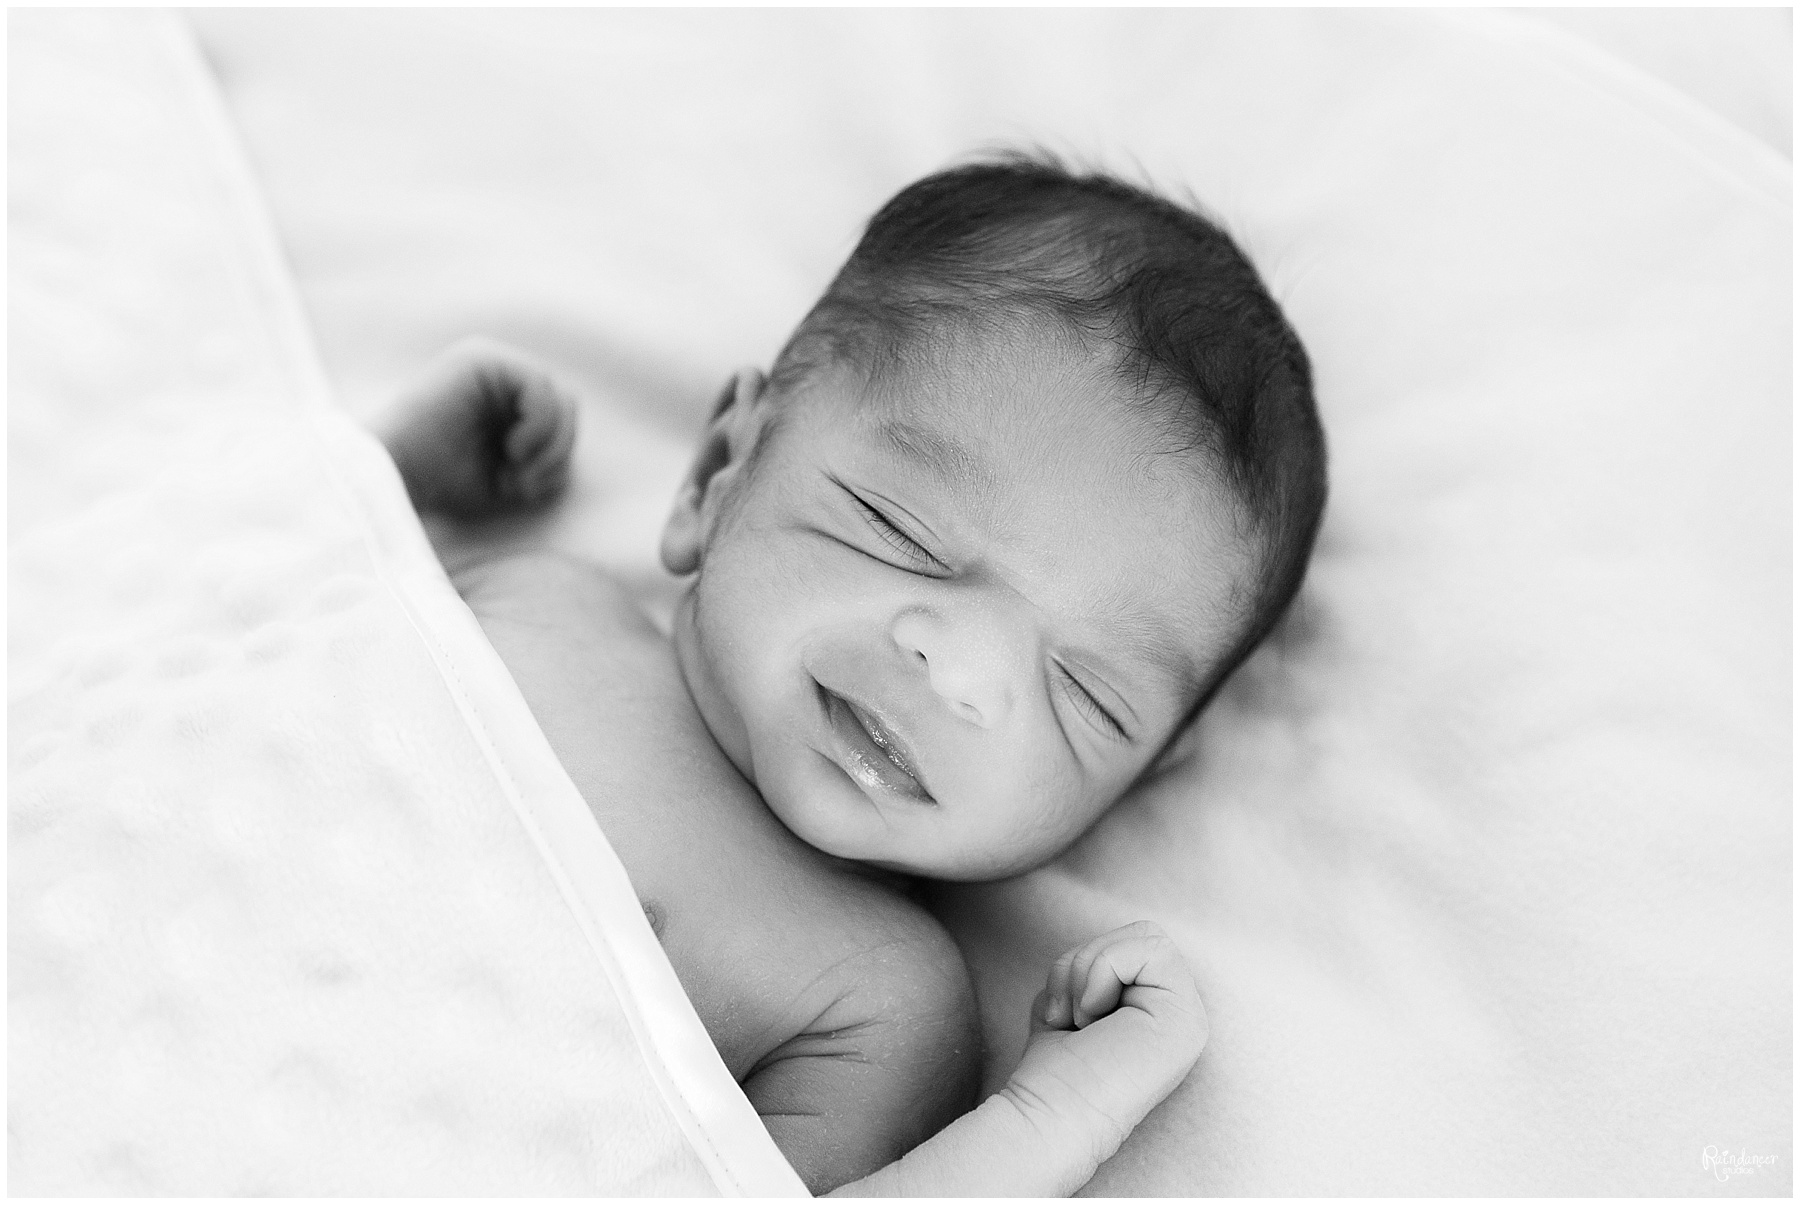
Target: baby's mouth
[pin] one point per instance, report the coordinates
(872, 755)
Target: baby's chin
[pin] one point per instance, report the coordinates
(850, 827)
(819, 804)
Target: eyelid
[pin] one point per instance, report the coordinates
(1094, 707)
(890, 532)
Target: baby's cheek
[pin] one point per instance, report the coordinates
(749, 592)
(778, 569)
(1030, 803)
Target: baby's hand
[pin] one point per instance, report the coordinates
(1116, 1028)
(483, 433)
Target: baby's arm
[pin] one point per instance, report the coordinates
(885, 1066)
(1116, 1028)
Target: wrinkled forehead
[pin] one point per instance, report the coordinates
(1033, 453)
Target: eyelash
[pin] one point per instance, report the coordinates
(1088, 703)
(902, 544)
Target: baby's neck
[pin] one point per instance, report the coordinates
(900, 881)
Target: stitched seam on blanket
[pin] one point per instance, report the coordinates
(292, 340)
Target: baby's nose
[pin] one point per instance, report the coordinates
(967, 662)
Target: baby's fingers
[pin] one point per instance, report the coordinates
(546, 413)
(539, 444)
(1095, 982)
(1074, 994)
(1101, 991)
(1139, 966)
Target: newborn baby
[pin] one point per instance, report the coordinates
(1039, 470)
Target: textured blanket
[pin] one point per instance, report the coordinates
(299, 901)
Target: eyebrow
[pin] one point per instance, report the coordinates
(1150, 640)
(943, 458)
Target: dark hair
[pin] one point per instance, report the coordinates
(1194, 333)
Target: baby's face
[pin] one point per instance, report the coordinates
(944, 622)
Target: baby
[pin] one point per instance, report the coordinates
(1039, 470)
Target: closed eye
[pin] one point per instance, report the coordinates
(902, 544)
(1089, 706)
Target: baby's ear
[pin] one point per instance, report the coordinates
(724, 447)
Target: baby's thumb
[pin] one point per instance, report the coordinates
(1040, 1023)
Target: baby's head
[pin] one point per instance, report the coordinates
(1039, 470)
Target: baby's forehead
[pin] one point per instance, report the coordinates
(1004, 392)
(1029, 434)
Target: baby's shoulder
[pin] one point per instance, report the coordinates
(553, 615)
(524, 586)
(905, 959)
(893, 1053)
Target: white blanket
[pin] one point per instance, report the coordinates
(299, 901)
(1485, 862)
